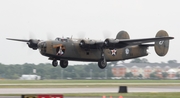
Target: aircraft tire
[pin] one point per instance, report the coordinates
(102, 64)
(54, 63)
(63, 63)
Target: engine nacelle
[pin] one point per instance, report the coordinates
(111, 43)
(33, 43)
(87, 44)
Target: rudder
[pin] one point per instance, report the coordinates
(122, 35)
(162, 47)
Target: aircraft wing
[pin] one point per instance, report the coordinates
(120, 43)
(145, 40)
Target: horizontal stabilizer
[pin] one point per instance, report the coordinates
(147, 45)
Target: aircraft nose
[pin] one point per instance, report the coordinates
(42, 47)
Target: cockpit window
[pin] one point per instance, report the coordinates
(62, 39)
(58, 39)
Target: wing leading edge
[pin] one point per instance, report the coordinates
(121, 43)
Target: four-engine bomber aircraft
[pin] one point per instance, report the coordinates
(120, 48)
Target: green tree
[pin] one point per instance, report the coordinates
(140, 76)
(178, 75)
(172, 61)
(144, 60)
(164, 74)
(128, 74)
(138, 60)
(153, 75)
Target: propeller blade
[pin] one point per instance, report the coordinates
(106, 34)
(81, 35)
(21, 40)
(50, 36)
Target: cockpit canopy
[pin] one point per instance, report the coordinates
(62, 39)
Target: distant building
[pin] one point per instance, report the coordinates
(178, 69)
(145, 69)
(119, 70)
(171, 73)
(159, 71)
(30, 77)
(135, 71)
(166, 68)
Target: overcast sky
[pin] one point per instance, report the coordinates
(48, 19)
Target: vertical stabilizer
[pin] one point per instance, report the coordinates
(122, 35)
(162, 47)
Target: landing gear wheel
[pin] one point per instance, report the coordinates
(63, 63)
(54, 63)
(102, 63)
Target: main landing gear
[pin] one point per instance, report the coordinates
(54, 63)
(63, 63)
(102, 62)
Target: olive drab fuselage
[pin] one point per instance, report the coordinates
(72, 51)
(120, 48)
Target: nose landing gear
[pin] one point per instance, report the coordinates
(63, 63)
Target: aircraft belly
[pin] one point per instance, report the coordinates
(87, 55)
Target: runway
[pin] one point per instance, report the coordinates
(84, 90)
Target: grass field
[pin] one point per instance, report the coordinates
(84, 83)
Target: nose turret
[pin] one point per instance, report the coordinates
(42, 47)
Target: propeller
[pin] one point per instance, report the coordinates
(106, 34)
(81, 35)
(31, 35)
(50, 36)
(32, 43)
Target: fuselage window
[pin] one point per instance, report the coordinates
(64, 40)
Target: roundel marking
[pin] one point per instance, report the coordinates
(127, 51)
(113, 52)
